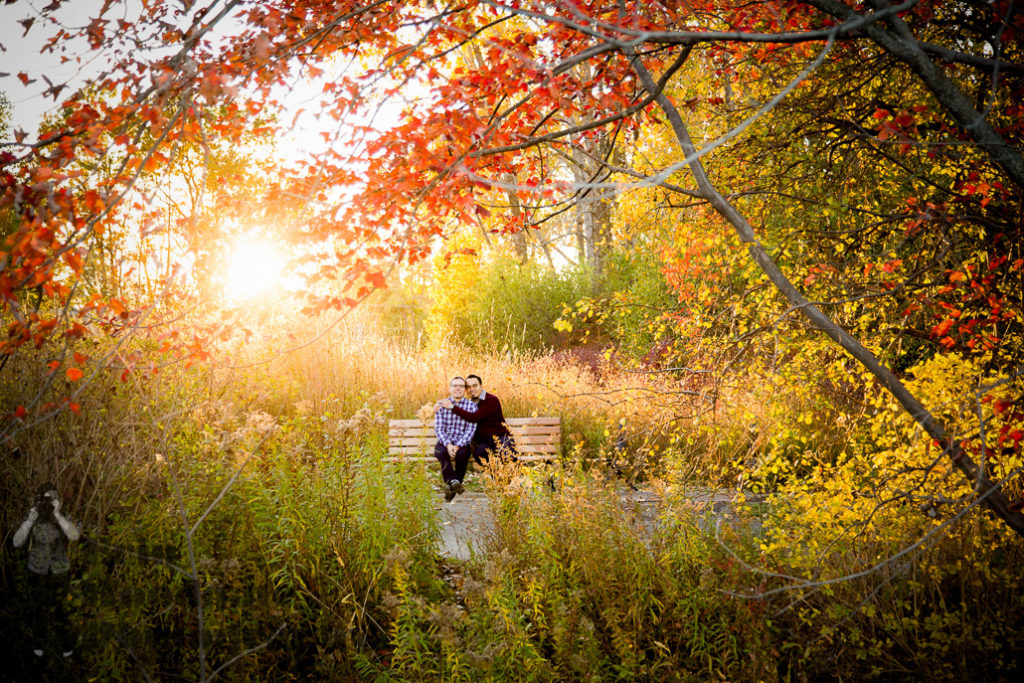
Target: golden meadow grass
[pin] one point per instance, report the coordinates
(573, 587)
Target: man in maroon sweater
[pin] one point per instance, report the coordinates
(492, 434)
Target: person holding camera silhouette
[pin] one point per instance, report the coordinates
(50, 531)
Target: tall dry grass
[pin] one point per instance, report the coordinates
(608, 413)
(316, 538)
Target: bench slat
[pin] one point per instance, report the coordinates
(546, 437)
(421, 458)
(530, 447)
(511, 422)
(544, 429)
(429, 433)
(519, 421)
(523, 446)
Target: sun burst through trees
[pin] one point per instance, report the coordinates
(253, 270)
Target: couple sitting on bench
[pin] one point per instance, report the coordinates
(473, 425)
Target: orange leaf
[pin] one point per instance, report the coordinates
(376, 278)
(74, 374)
(73, 260)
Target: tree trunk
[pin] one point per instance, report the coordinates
(518, 237)
(594, 207)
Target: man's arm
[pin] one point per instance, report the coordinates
(70, 530)
(487, 408)
(21, 535)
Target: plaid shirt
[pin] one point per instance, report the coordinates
(452, 429)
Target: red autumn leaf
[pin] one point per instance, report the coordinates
(942, 328)
(261, 46)
(73, 260)
(74, 374)
(76, 330)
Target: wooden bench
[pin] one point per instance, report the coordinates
(537, 438)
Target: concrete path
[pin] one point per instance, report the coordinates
(467, 521)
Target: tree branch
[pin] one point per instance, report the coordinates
(988, 490)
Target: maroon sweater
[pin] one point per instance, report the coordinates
(489, 420)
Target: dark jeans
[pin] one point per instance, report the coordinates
(49, 622)
(503, 446)
(448, 471)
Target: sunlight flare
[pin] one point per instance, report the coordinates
(253, 270)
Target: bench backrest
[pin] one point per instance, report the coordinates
(535, 436)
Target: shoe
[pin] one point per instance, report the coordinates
(449, 492)
(457, 485)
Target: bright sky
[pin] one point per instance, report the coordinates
(21, 54)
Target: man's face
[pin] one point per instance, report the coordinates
(474, 387)
(457, 389)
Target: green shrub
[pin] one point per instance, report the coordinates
(512, 307)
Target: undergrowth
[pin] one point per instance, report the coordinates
(242, 524)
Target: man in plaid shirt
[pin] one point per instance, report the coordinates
(453, 437)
